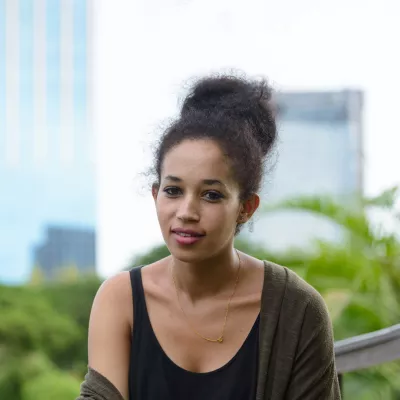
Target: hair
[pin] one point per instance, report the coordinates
(235, 112)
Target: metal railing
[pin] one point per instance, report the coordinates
(367, 350)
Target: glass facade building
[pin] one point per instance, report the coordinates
(47, 170)
(320, 152)
(64, 248)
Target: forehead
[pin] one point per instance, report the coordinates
(195, 158)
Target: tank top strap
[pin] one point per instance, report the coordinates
(139, 302)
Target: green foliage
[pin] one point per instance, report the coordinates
(387, 199)
(29, 322)
(37, 276)
(17, 369)
(43, 326)
(359, 278)
(67, 274)
(74, 301)
(351, 218)
(43, 336)
(73, 298)
(51, 385)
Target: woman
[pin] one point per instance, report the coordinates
(209, 322)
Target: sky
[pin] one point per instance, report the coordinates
(145, 51)
(42, 93)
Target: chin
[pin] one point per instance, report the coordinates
(189, 254)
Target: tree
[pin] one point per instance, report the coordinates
(30, 329)
(74, 301)
(43, 338)
(67, 274)
(51, 385)
(359, 276)
(28, 323)
(37, 276)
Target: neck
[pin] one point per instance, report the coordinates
(208, 277)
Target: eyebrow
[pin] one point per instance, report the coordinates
(209, 182)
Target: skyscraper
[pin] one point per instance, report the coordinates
(47, 174)
(320, 152)
(65, 248)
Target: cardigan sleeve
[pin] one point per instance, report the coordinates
(314, 375)
(98, 387)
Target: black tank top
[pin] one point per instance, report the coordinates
(154, 376)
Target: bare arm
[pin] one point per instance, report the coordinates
(110, 331)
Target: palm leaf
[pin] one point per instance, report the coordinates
(348, 217)
(387, 199)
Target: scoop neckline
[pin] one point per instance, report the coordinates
(255, 327)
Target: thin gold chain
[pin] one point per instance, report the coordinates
(220, 339)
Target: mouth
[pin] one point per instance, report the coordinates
(185, 237)
(187, 233)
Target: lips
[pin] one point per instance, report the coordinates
(187, 232)
(186, 236)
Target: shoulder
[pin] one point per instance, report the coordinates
(288, 281)
(115, 296)
(298, 297)
(116, 287)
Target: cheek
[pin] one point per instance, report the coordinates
(223, 218)
(164, 209)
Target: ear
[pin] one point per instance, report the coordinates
(154, 191)
(248, 208)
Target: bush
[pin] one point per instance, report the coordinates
(51, 385)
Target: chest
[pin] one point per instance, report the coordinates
(188, 337)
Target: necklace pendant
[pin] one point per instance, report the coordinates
(220, 339)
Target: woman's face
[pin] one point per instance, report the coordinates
(197, 201)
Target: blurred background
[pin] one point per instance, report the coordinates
(86, 88)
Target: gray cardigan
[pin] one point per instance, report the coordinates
(296, 356)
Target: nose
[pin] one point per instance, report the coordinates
(188, 210)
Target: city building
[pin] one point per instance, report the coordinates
(320, 152)
(65, 248)
(47, 169)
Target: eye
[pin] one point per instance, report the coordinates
(213, 196)
(172, 191)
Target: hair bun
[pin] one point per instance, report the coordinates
(234, 97)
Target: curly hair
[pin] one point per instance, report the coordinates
(235, 112)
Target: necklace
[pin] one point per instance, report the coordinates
(220, 339)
